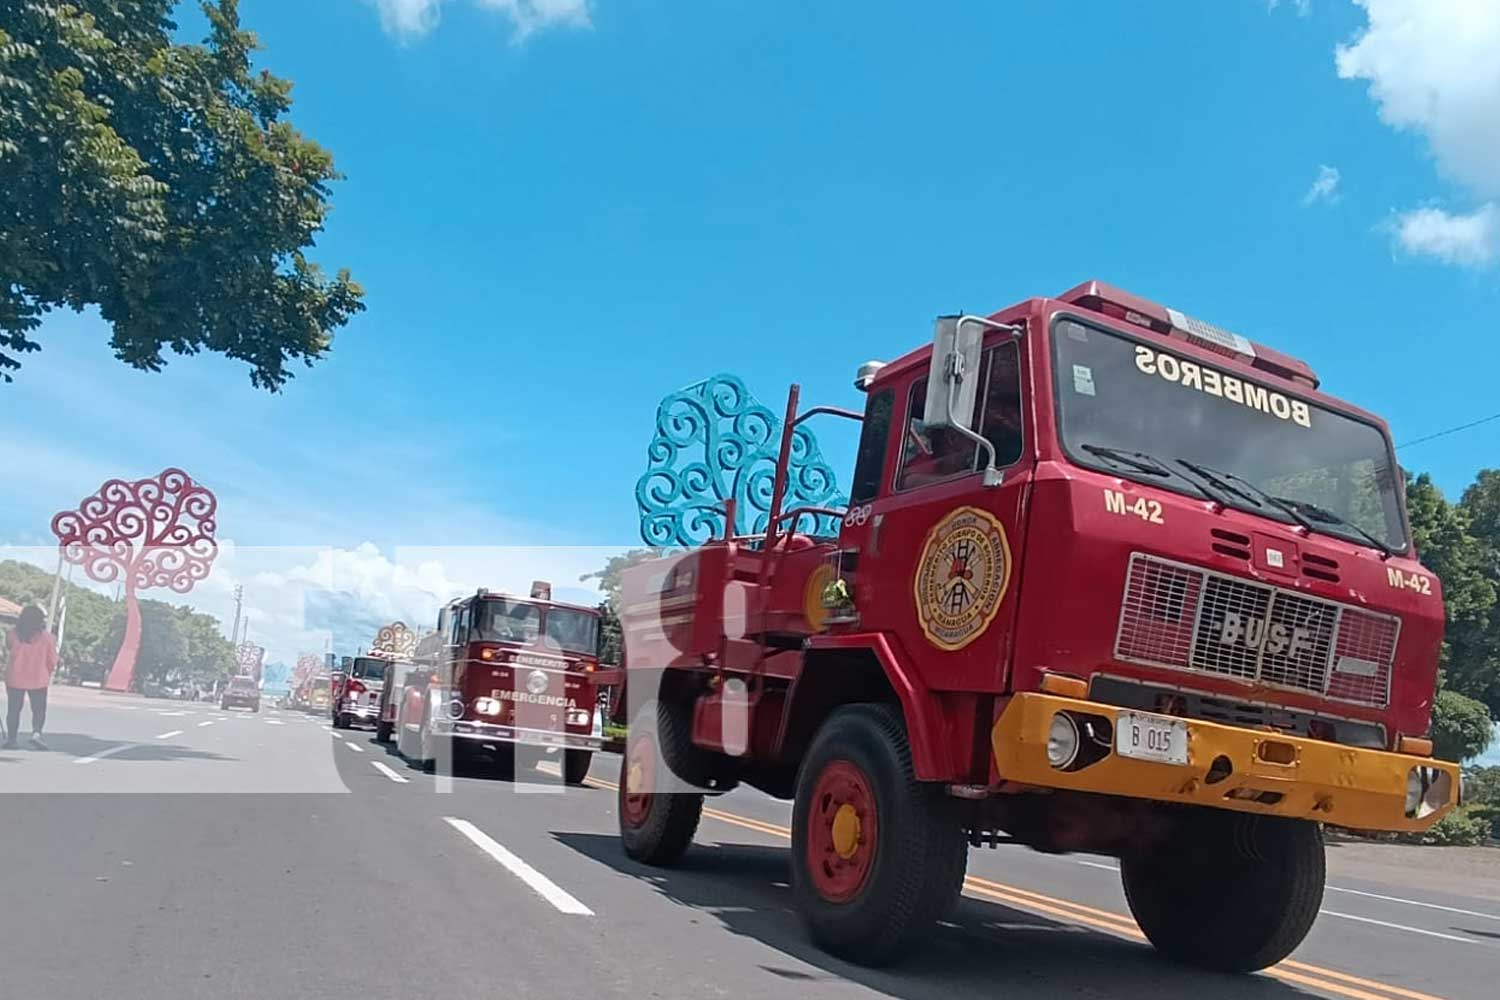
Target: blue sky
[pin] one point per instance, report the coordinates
(563, 209)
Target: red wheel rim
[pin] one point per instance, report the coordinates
(636, 782)
(842, 831)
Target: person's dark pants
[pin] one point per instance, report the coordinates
(13, 698)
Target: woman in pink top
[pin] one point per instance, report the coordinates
(33, 657)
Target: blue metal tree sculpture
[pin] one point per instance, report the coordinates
(715, 442)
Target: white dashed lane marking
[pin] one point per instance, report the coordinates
(105, 753)
(539, 883)
(385, 770)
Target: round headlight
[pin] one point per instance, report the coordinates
(456, 708)
(1415, 786)
(1062, 740)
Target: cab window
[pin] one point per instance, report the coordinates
(936, 454)
(870, 462)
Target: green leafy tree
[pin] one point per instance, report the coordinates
(162, 183)
(1461, 726)
(1466, 561)
(609, 576)
(1474, 630)
(207, 655)
(163, 652)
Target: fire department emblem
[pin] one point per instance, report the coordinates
(962, 574)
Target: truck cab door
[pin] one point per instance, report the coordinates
(936, 548)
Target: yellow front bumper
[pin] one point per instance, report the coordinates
(1346, 786)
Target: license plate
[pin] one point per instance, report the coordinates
(1151, 737)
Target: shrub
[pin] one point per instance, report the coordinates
(1460, 828)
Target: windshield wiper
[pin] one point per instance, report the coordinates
(1138, 460)
(1325, 516)
(1297, 510)
(1152, 466)
(1222, 480)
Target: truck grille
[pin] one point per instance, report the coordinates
(1187, 618)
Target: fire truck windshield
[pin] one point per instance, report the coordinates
(370, 668)
(501, 620)
(1118, 395)
(574, 631)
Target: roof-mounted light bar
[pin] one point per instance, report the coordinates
(1120, 304)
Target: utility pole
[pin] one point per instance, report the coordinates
(56, 592)
(239, 600)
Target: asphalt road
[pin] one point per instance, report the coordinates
(162, 850)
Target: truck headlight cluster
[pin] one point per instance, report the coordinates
(1428, 789)
(487, 706)
(578, 717)
(1062, 741)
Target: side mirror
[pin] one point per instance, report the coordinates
(953, 380)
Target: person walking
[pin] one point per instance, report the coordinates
(33, 658)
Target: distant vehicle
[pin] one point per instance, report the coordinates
(241, 693)
(357, 697)
(503, 672)
(388, 702)
(318, 696)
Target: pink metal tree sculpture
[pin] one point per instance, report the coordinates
(307, 665)
(147, 533)
(396, 639)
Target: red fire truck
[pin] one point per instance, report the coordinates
(389, 698)
(1110, 579)
(505, 672)
(357, 688)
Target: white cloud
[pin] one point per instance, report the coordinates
(1325, 187)
(1471, 240)
(530, 16)
(1432, 69)
(407, 19)
(1303, 7)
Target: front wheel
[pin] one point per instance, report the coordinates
(878, 857)
(656, 827)
(382, 731)
(576, 765)
(1230, 891)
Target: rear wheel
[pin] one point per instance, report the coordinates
(656, 826)
(877, 856)
(576, 765)
(1230, 891)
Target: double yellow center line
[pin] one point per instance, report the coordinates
(1120, 924)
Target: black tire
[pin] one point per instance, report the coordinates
(661, 835)
(576, 765)
(1232, 892)
(382, 731)
(340, 720)
(919, 853)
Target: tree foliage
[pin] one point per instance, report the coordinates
(162, 183)
(609, 575)
(178, 644)
(1461, 727)
(1461, 544)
